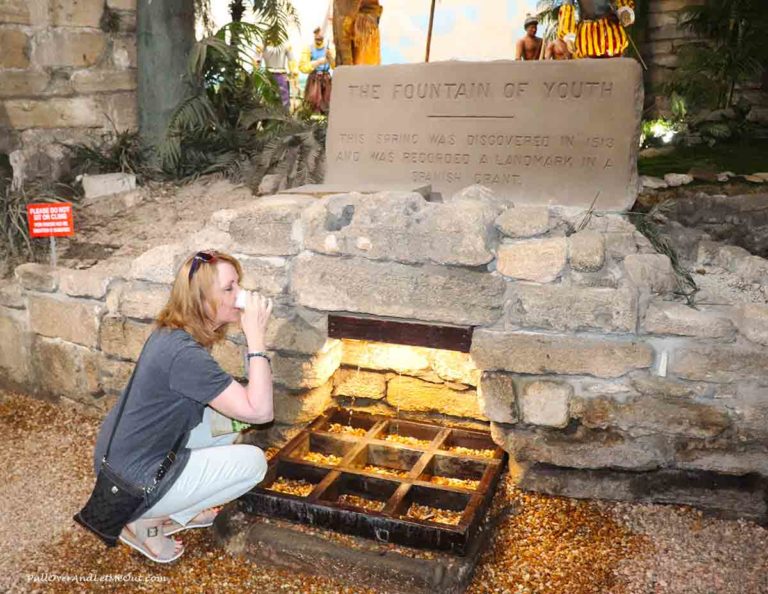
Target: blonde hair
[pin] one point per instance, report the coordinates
(185, 309)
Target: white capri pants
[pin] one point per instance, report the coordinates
(217, 472)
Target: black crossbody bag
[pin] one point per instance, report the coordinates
(114, 501)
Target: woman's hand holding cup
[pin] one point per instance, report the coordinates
(256, 312)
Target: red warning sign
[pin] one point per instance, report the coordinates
(50, 220)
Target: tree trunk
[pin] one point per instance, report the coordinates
(165, 36)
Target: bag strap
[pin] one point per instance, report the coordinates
(123, 400)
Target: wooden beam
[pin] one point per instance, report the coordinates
(452, 338)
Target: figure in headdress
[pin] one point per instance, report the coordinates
(600, 30)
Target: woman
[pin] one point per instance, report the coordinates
(174, 388)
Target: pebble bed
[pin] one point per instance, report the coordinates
(550, 545)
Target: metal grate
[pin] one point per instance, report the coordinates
(367, 483)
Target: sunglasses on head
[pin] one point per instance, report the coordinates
(197, 259)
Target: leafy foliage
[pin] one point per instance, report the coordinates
(116, 151)
(732, 50)
(233, 112)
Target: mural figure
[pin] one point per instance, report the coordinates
(356, 31)
(600, 30)
(317, 61)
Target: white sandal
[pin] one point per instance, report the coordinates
(133, 541)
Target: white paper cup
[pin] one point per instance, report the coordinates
(240, 299)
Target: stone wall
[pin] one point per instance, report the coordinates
(584, 359)
(664, 39)
(67, 73)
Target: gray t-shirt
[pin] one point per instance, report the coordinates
(175, 379)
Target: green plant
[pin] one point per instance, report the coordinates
(115, 151)
(233, 119)
(15, 243)
(731, 50)
(644, 222)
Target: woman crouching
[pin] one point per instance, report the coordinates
(168, 405)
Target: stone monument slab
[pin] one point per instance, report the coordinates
(555, 132)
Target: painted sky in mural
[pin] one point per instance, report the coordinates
(463, 29)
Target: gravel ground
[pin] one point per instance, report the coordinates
(553, 545)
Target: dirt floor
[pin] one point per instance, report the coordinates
(553, 545)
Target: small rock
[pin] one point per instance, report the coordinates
(271, 183)
(705, 175)
(677, 179)
(763, 175)
(755, 179)
(653, 183)
(725, 176)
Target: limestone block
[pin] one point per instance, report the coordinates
(270, 226)
(143, 301)
(77, 13)
(546, 403)
(107, 184)
(73, 320)
(583, 448)
(586, 251)
(651, 272)
(453, 366)
(401, 226)
(66, 47)
(65, 369)
(666, 317)
(297, 331)
(210, 237)
(299, 372)
(22, 83)
(359, 383)
(14, 347)
(656, 414)
(414, 395)
(752, 321)
(659, 19)
(59, 112)
(539, 260)
(265, 275)
(386, 357)
(91, 282)
(524, 221)
(115, 375)
(11, 295)
(737, 460)
(668, 61)
(497, 397)
(569, 355)
(299, 409)
(428, 293)
(122, 4)
(15, 11)
(719, 363)
(37, 277)
(159, 264)
(15, 46)
(124, 54)
(558, 307)
(230, 356)
(123, 339)
(121, 109)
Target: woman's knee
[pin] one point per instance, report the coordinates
(254, 462)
